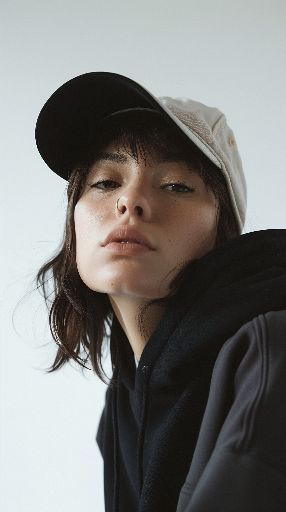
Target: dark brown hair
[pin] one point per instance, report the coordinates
(80, 319)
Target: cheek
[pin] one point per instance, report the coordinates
(85, 231)
(208, 218)
(86, 220)
(201, 227)
(80, 223)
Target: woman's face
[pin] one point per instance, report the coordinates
(179, 221)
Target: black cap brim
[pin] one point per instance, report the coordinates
(68, 119)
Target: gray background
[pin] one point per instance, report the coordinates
(225, 54)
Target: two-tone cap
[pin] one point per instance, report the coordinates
(70, 116)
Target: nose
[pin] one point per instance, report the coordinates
(133, 204)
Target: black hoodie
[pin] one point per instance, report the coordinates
(150, 424)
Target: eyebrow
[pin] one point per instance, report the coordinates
(111, 157)
(122, 159)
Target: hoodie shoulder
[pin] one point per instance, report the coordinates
(257, 353)
(240, 458)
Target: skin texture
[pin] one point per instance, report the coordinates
(180, 223)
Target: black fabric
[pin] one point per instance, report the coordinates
(68, 123)
(239, 463)
(149, 427)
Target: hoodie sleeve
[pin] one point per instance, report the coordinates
(100, 431)
(245, 469)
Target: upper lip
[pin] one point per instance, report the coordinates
(127, 233)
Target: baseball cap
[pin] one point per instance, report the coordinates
(72, 114)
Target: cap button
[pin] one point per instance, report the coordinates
(231, 141)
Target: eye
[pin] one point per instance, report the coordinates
(102, 181)
(177, 184)
(189, 189)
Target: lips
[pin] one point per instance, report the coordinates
(128, 234)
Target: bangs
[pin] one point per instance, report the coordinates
(144, 134)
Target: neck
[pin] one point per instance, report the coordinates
(138, 333)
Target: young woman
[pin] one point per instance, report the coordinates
(154, 264)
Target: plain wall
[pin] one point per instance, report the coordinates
(226, 54)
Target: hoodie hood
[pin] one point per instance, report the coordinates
(157, 408)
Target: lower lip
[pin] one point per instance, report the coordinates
(126, 249)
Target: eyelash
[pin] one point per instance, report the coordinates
(167, 184)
